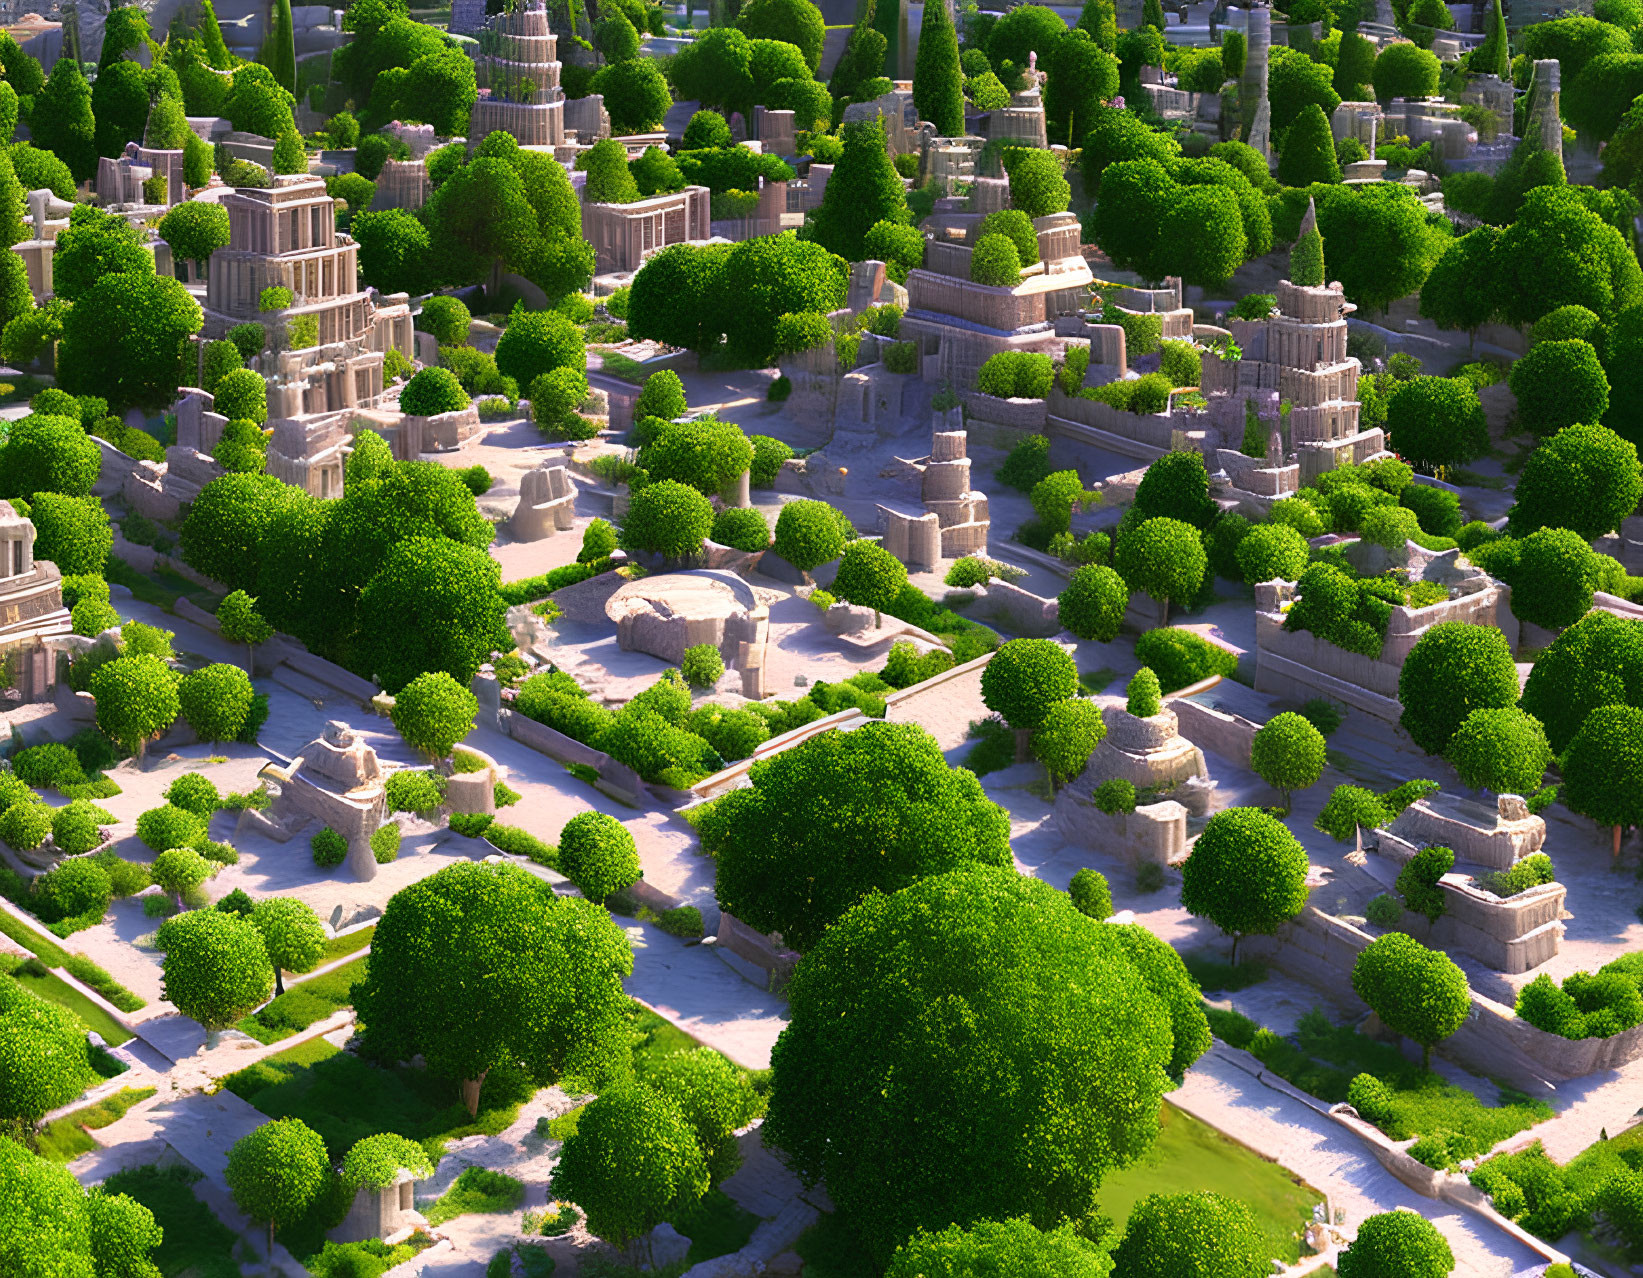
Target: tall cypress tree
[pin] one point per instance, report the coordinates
(864, 189)
(216, 48)
(1100, 19)
(280, 52)
(938, 84)
(1494, 55)
(1152, 14)
(62, 121)
(1309, 150)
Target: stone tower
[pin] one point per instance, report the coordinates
(518, 71)
(1252, 89)
(1543, 125)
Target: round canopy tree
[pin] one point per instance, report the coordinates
(42, 1055)
(1501, 750)
(433, 712)
(810, 533)
(1272, 552)
(1094, 603)
(1287, 752)
(1397, 1244)
(1163, 557)
(136, 700)
(1062, 742)
(1454, 669)
(1200, 1235)
(293, 934)
(1584, 477)
(1558, 384)
(52, 1226)
(1598, 661)
(991, 1247)
(598, 855)
(480, 964)
(1246, 874)
(1553, 578)
(438, 608)
(870, 577)
(843, 815)
(1436, 421)
(1025, 678)
(215, 701)
(276, 1172)
(44, 453)
(125, 340)
(667, 518)
(716, 1098)
(1011, 1043)
(1416, 992)
(216, 967)
(1603, 769)
(631, 1163)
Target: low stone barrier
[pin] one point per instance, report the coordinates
(617, 779)
(1228, 735)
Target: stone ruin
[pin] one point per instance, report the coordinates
(120, 179)
(547, 502)
(47, 216)
(31, 611)
(1512, 935)
(954, 521)
(666, 614)
(387, 1212)
(336, 781)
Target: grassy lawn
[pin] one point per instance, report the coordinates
(345, 1099)
(715, 1226)
(476, 1191)
(338, 946)
(1096, 681)
(196, 1243)
(55, 990)
(65, 1140)
(1189, 1156)
(302, 1005)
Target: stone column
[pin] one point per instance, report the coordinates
(1252, 91)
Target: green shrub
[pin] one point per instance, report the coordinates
(741, 528)
(385, 842)
(1028, 462)
(516, 842)
(1323, 714)
(1115, 795)
(1384, 910)
(702, 666)
(1090, 893)
(330, 847)
(901, 357)
(682, 920)
(1532, 871)
(168, 827)
(1180, 657)
(1418, 881)
(48, 766)
(1016, 375)
(413, 790)
(470, 825)
(194, 793)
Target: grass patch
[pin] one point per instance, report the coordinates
(196, 1243)
(303, 1005)
(477, 1191)
(623, 366)
(55, 990)
(339, 946)
(346, 1099)
(562, 1127)
(366, 1259)
(51, 955)
(715, 1226)
(65, 1140)
(1215, 976)
(1096, 681)
(1189, 1156)
(655, 1039)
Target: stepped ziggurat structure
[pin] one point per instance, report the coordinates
(517, 64)
(1296, 355)
(286, 236)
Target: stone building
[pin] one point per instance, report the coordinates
(31, 610)
(518, 70)
(402, 184)
(335, 781)
(624, 235)
(120, 178)
(962, 323)
(953, 521)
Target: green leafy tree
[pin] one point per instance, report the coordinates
(1091, 894)
(879, 807)
(598, 855)
(1552, 576)
(1454, 669)
(999, 1247)
(938, 84)
(708, 455)
(795, 22)
(538, 342)
(1309, 150)
(72, 532)
(1164, 558)
(53, 1226)
(1461, 291)
(62, 121)
(1201, 1235)
(480, 965)
(136, 700)
(1272, 552)
(667, 518)
(1038, 186)
(1585, 478)
(609, 179)
(45, 453)
(1025, 678)
(1083, 78)
(1603, 769)
(1143, 694)
(215, 701)
(126, 338)
(1062, 742)
(1405, 71)
(1436, 421)
(631, 1163)
(293, 934)
(1094, 602)
(195, 229)
(43, 1051)
(1501, 750)
(216, 968)
(870, 577)
(1354, 68)
(1246, 875)
(1559, 253)
(1287, 752)
(1558, 384)
(810, 533)
(180, 871)
(1401, 1244)
(1597, 661)
(637, 97)
(1350, 811)
(716, 1098)
(1053, 1008)
(277, 1171)
(864, 189)
(433, 712)
(241, 623)
(394, 250)
(447, 608)
(716, 69)
(1416, 992)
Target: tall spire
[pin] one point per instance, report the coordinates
(1306, 259)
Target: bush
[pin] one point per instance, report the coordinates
(810, 533)
(78, 827)
(1016, 375)
(470, 825)
(411, 790)
(669, 518)
(1418, 881)
(768, 456)
(47, 766)
(77, 889)
(1094, 602)
(901, 357)
(329, 848)
(1384, 911)
(1028, 462)
(1091, 894)
(702, 666)
(194, 793)
(598, 855)
(170, 827)
(1115, 795)
(995, 262)
(1180, 657)
(742, 528)
(516, 842)
(1532, 871)
(385, 842)
(431, 392)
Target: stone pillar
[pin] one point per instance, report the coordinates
(739, 491)
(750, 658)
(1252, 91)
(1543, 122)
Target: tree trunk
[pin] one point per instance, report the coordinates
(470, 1093)
(270, 1242)
(1357, 833)
(1615, 854)
(1235, 949)
(1023, 744)
(279, 981)
(1426, 1056)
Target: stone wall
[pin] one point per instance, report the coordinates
(1016, 414)
(1020, 611)
(1227, 735)
(1154, 832)
(616, 779)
